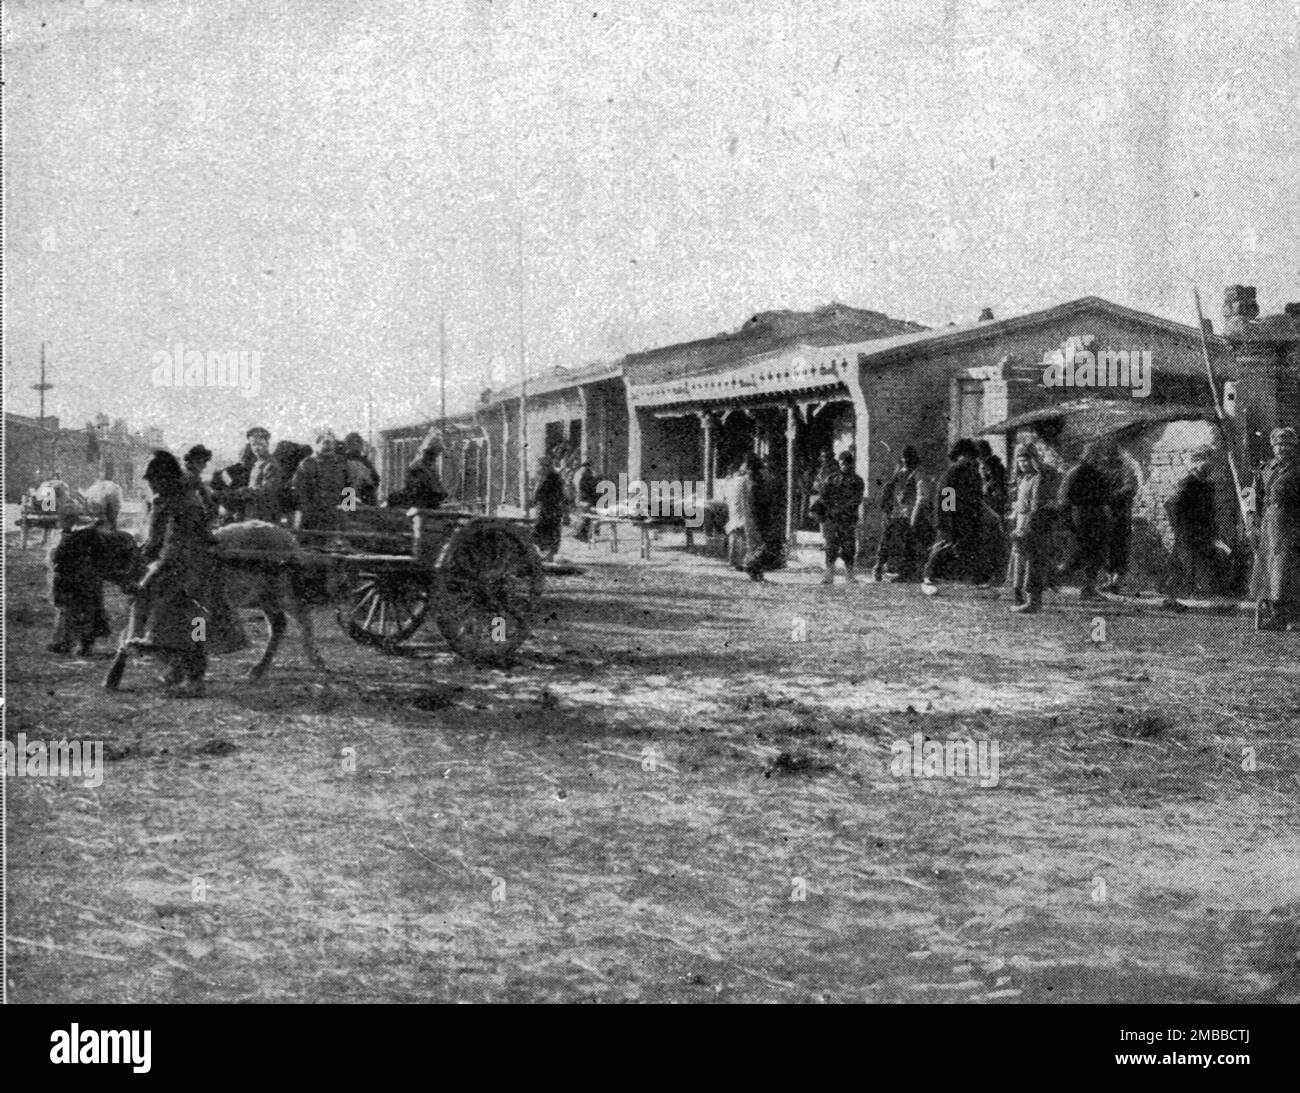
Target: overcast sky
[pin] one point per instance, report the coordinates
(314, 180)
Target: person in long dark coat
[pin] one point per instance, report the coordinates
(1194, 562)
(995, 548)
(958, 517)
(752, 515)
(993, 474)
(423, 488)
(551, 502)
(587, 493)
(362, 475)
(1122, 488)
(1275, 578)
(1084, 492)
(180, 612)
(841, 499)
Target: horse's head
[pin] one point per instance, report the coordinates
(120, 558)
(86, 556)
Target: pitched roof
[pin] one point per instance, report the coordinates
(765, 332)
(879, 351)
(558, 379)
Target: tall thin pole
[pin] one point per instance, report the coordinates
(523, 383)
(1218, 412)
(42, 387)
(442, 368)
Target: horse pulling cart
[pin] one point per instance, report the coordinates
(389, 570)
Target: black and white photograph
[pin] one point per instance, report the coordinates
(682, 502)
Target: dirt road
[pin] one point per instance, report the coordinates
(689, 789)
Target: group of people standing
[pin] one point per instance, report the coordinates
(1027, 528)
(1042, 524)
(323, 482)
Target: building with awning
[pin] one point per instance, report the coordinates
(793, 385)
(697, 408)
(927, 388)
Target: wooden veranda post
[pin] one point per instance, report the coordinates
(791, 432)
(706, 428)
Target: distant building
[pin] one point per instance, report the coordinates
(100, 449)
(581, 411)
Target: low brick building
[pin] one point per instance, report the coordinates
(35, 451)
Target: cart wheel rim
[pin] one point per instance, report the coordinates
(489, 584)
(383, 611)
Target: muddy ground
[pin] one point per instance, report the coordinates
(670, 798)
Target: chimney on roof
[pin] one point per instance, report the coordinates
(986, 315)
(1208, 326)
(1239, 307)
(1267, 354)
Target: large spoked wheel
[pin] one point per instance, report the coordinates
(489, 585)
(383, 609)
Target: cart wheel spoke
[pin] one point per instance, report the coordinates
(384, 609)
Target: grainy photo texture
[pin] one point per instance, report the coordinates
(676, 502)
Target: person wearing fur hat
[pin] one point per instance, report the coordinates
(362, 475)
(319, 485)
(179, 610)
(1033, 516)
(958, 517)
(1275, 577)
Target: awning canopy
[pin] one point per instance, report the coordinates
(777, 377)
(1099, 418)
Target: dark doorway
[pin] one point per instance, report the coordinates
(555, 437)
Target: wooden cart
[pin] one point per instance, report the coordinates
(389, 570)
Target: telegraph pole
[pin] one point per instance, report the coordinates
(42, 387)
(442, 371)
(523, 384)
